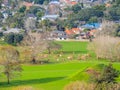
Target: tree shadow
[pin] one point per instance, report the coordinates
(32, 81)
(70, 52)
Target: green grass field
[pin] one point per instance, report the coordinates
(55, 76)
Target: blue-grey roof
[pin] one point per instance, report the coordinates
(92, 25)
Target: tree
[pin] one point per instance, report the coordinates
(117, 2)
(113, 13)
(106, 47)
(1, 3)
(52, 46)
(39, 14)
(22, 9)
(1, 34)
(118, 31)
(36, 43)
(76, 8)
(13, 38)
(15, 21)
(108, 28)
(93, 20)
(30, 24)
(46, 25)
(9, 38)
(10, 62)
(1, 15)
(107, 78)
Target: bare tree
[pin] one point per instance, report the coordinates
(106, 47)
(36, 43)
(107, 29)
(52, 46)
(9, 60)
(30, 24)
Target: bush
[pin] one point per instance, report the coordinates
(88, 86)
(106, 47)
(107, 79)
(1, 34)
(13, 38)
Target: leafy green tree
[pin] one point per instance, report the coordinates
(86, 14)
(113, 13)
(76, 8)
(9, 38)
(39, 14)
(10, 62)
(1, 34)
(18, 38)
(117, 2)
(1, 15)
(22, 9)
(13, 38)
(1, 3)
(93, 20)
(107, 77)
(16, 21)
(99, 7)
(46, 24)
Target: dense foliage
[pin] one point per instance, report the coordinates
(13, 38)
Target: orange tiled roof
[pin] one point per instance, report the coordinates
(73, 2)
(108, 5)
(72, 31)
(69, 32)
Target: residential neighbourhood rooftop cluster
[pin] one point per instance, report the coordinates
(53, 11)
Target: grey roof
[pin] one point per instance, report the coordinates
(12, 30)
(31, 15)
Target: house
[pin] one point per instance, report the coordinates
(90, 3)
(52, 11)
(53, 8)
(58, 35)
(92, 32)
(108, 5)
(54, 2)
(91, 26)
(50, 17)
(31, 16)
(28, 5)
(69, 2)
(72, 31)
(12, 30)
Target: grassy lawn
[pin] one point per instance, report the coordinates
(55, 76)
(52, 76)
(69, 47)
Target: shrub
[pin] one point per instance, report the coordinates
(13, 38)
(88, 86)
(106, 47)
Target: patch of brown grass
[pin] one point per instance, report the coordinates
(79, 86)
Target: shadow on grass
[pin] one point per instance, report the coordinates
(70, 52)
(32, 81)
